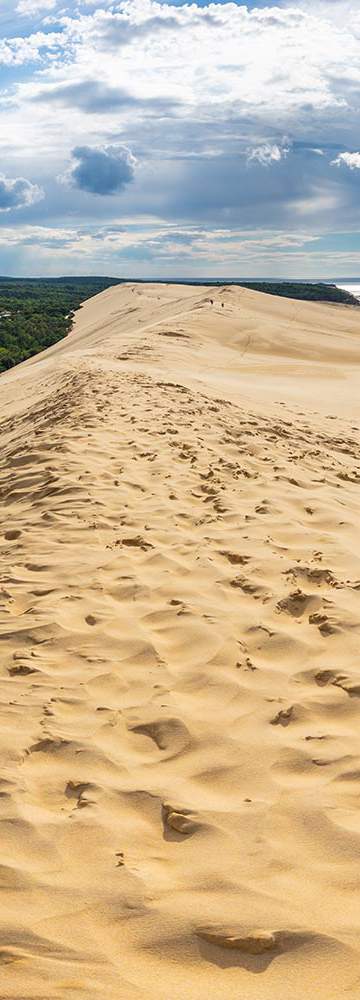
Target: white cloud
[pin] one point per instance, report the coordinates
(18, 192)
(29, 7)
(267, 154)
(351, 160)
(30, 49)
(277, 60)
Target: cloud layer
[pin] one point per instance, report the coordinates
(170, 120)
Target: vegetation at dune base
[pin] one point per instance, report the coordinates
(36, 313)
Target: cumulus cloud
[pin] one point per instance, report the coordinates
(33, 48)
(267, 153)
(101, 170)
(276, 59)
(18, 192)
(351, 160)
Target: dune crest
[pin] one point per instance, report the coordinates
(180, 678)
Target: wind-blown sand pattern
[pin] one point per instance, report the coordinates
(180, 674)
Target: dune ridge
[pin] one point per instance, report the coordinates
(179, 636)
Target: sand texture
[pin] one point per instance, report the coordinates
(180, 671)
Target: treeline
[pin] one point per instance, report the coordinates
(303, 290)
(36, 313)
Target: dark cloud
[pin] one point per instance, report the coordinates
(101, 171)
(119, 31)
(94, 97)
(17, 193)
(89, 95)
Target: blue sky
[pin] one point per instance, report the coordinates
(153, 139)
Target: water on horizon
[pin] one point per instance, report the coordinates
(350, 286)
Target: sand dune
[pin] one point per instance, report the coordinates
(180, 674)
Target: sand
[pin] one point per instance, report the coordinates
(180, 675)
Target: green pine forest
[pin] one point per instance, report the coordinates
(37, 313)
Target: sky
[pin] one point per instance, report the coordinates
(147, 139)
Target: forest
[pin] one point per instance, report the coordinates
(36, 313)
(306, 291)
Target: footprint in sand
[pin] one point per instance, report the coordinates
(248, 587)
(284, 717)
(170, 735)
(77, 790)
(314, 575)
(91, 620)
(235, 558)
(297, 603)
(324, 624)
(22, 670)
(179, 819)
(137, 543)
(49, 745)
(342, 681)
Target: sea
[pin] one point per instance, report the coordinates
(350, 286)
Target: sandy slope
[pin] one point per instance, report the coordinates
(180, 675)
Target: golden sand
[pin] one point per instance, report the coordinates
(180, 673)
